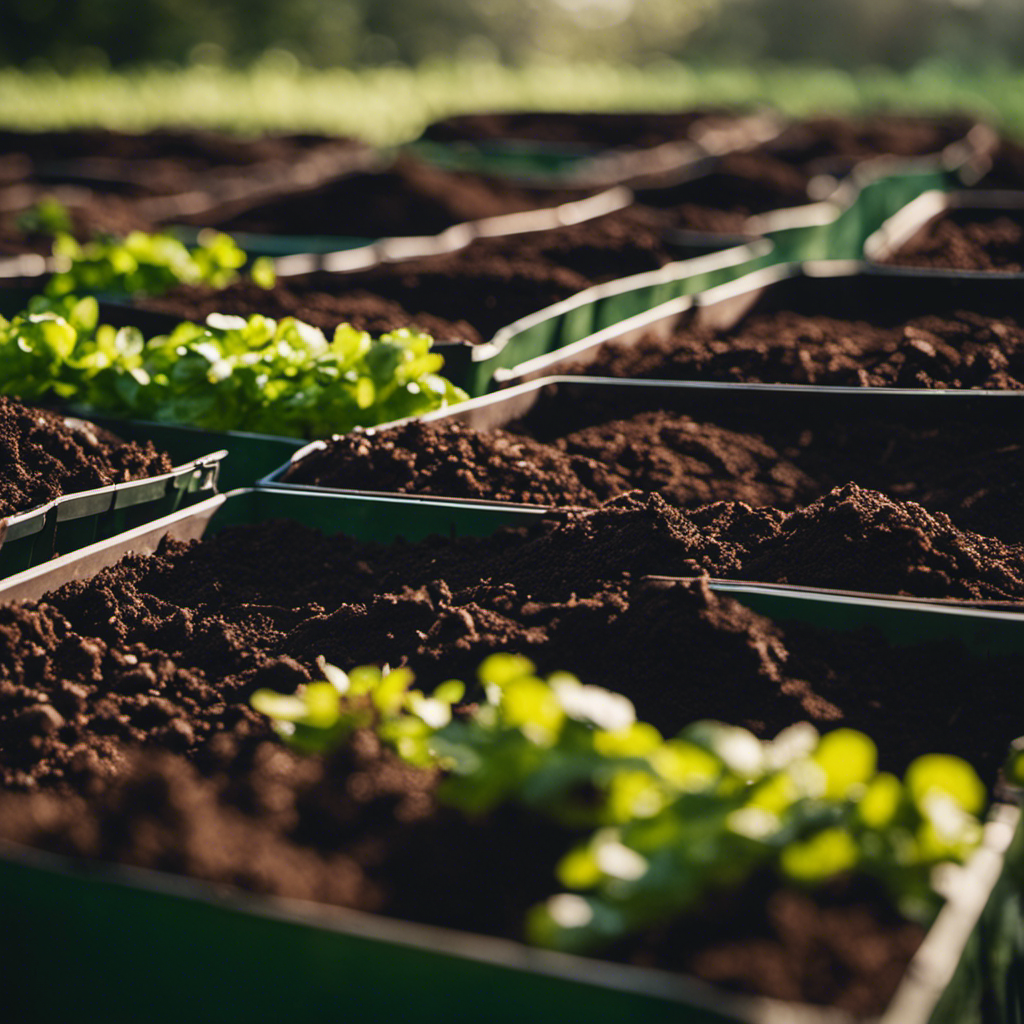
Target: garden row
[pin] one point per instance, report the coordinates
(780, 492)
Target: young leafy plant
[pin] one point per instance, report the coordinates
(144, 264)
(256, 374)
(139, 264)
(669, 820)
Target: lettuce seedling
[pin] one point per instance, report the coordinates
(139, 264)
(668, 820)
(143, 264)
(256, 374)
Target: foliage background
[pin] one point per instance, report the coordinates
(70, 34)
(384, 68)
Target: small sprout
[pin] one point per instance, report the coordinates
(665, 821)
(338, 679)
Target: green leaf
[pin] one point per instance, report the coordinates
(944, 773)
(825, 855)
(848, 759)
(263, 273)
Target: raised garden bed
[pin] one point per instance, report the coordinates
(263, 601)
(593, 148)
(68, 482)
(819, 325)
(538, 287)
(958, 232)
(113, 183)
(170, 162)
(407, 198)
(724, 198)
(247, 457)
(582, 442)
(463, 296)
(834, 145)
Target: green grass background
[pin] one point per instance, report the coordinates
(390, 105)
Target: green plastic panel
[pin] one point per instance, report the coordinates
(92, 949)
(248, 455)
(537, 161)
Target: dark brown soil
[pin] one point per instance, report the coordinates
(366, 832)
(844, 931)
(827, 138)
(163, 652)
(1007, 170)
(43, 457)
(465, 296)
(409, 198)
(169, 161)
(741, 185)
(967, 350)
(561, 455)
(967, 239)
(594, 130)
(91, 214)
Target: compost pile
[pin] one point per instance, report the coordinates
(464, 296)
(967, 240)
(971, 472)
(45, 456)
(966, 350)
(162, 653)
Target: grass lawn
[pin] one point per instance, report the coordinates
(390, 105)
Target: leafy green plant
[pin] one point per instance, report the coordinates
(262, 375)
(143, 264)
(669, 820)
(139, 264)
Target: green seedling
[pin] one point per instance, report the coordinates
(143, 264)
(257, 374)
(667, 821)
